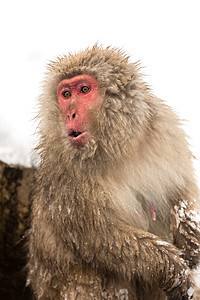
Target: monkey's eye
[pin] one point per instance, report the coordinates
(85, 90)
(66, 94)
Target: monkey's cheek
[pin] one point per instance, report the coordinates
(80, 140)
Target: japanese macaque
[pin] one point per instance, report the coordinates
(114, 193)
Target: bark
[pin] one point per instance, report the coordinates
(15, 187)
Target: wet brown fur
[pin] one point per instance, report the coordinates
(91, 205)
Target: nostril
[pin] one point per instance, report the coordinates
(71, 116)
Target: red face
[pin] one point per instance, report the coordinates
(76, 96)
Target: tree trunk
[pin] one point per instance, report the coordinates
(15, 187)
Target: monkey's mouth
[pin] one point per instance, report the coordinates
(75, 134)
(78, 138)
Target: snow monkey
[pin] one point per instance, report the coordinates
(114, 194)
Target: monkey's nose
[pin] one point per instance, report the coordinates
(71, 115)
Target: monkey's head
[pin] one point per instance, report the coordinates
(94, 101)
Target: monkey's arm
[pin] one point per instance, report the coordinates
(187, 228)
(139, 255)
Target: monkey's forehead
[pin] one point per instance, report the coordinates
(106, 65)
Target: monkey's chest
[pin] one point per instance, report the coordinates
(144, 213)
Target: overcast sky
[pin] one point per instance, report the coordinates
(163, 35)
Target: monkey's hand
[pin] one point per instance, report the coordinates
(179, 275)
(179, 284)
(141, 256)
(168, 269)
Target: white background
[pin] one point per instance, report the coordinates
(163, 35)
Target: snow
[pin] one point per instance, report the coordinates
(14, 147)
(162, 243)
(190, 292)
(196, 277)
